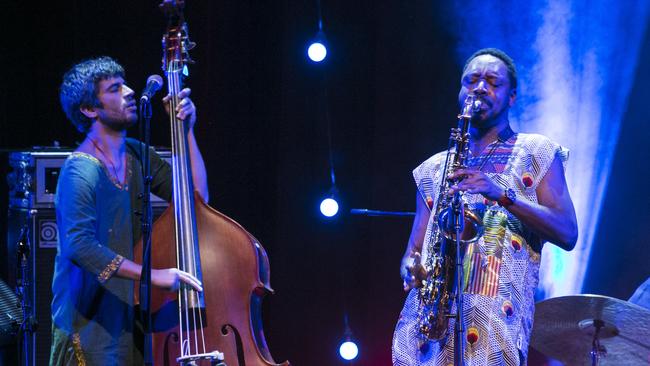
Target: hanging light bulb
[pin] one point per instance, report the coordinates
(348, 349)
(317, 50)
(329, 206)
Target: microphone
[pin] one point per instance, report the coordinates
(154, 83)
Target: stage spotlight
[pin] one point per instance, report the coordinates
(348, 350)
(329, 207)
(317, 50)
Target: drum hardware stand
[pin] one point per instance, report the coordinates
(29, 324)
(598, 351)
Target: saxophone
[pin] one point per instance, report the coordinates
(436, 293)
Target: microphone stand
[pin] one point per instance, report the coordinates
(146, 224)
(458, 211)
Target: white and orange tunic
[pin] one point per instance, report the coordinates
(500, 269)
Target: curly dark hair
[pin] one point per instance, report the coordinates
(79, 88)
(510, 64)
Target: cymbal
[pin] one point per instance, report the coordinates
(564, 330)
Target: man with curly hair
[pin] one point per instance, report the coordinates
(97, 200)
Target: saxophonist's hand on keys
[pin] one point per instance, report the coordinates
(414, 273)
(475, 181)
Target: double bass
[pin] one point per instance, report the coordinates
(222, 324)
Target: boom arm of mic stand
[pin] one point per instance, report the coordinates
(367, 212)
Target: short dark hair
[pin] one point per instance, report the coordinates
(507, 60)
(79, 88)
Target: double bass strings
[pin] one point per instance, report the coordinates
(184, 228)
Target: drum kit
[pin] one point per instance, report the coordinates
(592, 330)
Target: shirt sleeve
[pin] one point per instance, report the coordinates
(76, 215)
(543, 152)
(160, 169)
(427, 179)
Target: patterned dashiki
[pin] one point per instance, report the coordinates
(500, 269)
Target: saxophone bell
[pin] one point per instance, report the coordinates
(471, 226)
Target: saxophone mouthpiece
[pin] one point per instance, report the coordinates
(476, 106)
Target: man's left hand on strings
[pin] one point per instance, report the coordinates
(185, 110)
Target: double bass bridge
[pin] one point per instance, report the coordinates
(215, 358)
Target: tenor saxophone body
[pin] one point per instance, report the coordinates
(437, 292)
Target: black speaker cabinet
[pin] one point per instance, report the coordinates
(40, 226)
(43, 235)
